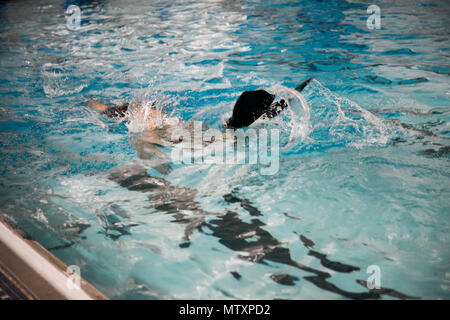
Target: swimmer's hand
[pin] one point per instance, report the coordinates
(100, 107)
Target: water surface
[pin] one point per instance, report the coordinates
(363, 181)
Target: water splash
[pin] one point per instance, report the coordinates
(354, 124)
(299, 112)
(150, 111)
(319, 119)
(57, 81)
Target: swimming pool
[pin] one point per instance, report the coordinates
(363, 179)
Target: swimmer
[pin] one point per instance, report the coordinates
(249, 107)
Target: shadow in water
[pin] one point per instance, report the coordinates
(248, 238)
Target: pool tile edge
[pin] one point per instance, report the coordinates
(37, 270)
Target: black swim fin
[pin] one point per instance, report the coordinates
(302, 85)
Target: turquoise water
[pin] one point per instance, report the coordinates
(363, 176)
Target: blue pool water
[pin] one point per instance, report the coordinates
(363, 175)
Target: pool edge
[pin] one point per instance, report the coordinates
(36, 272)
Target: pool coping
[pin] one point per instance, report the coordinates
(36, 272)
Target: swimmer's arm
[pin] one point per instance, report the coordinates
(146, 143)
(100, 107)
(147, 151)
